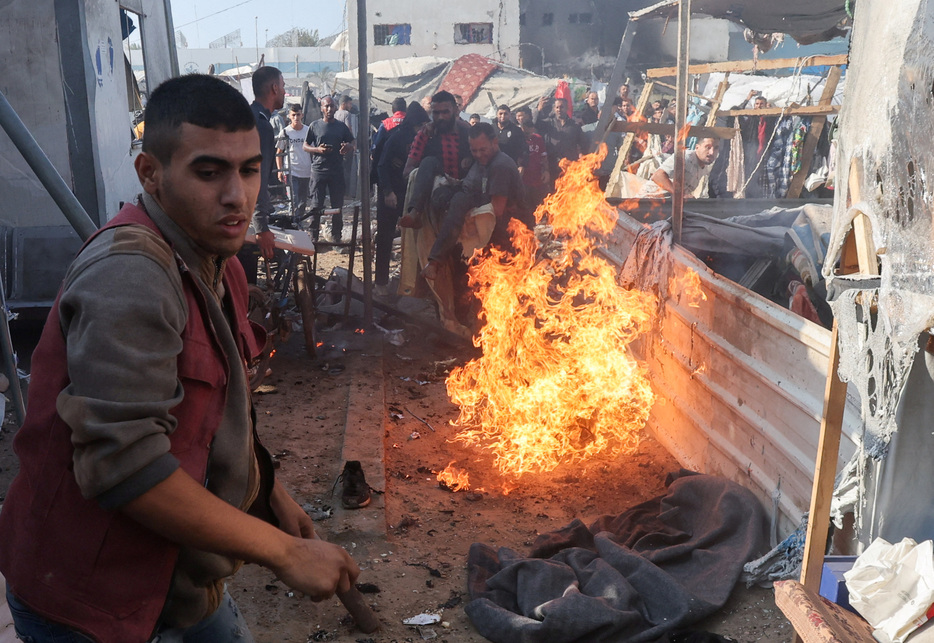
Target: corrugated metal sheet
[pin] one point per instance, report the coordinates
(740, 385)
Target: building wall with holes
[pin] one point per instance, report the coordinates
(428, 28)
(571, 34)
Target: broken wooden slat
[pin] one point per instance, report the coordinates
(750, 65)
(669, 129)
(803, 110)
(813, 135)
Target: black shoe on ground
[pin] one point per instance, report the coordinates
(355, 492)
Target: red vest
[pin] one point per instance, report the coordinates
(64, 556)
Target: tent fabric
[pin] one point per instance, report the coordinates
(654, 568)
(806, 21)
(417, 77)
(467, 74)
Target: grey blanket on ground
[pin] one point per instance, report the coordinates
(636, 576)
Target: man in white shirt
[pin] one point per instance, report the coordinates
(697, 166)
(298, 173)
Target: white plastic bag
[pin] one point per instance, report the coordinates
(892, 587)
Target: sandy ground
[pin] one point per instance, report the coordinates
(365, 398)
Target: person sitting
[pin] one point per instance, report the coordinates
(493, 179)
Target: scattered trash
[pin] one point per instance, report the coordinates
(414, 435)
(454, 601)
(427, 633)
(321, 635)
(266, 389)
(367, 588)
(445, 624)
(474, 496)
(431, 570)
(425, 422)
(422, 619)
(315, 512)
(394, 337)
(395, 413)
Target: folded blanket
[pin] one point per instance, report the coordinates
(654, 568)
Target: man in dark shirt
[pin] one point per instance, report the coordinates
(493, 179)
(756, 132)
(511, 139)
(269, 92)
(590, 112)
(563, 137)
(328, 141)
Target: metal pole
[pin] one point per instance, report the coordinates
(45, 171)
(677, 199)
(363, 144)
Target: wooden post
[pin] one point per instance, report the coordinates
(622, 155)
(677, 198)
(717, 99)
(810, 141)
(363, 144)
(616, 79)
(859, 242)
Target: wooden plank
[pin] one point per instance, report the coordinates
(669, 129)
(751, 65)
(717, 99)
(834, 403)
(692, 94)
(820, 109)
(622, 155)
(810, 141)
(616, 79)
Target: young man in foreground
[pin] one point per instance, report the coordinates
(142, 482)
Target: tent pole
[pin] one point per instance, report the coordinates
(363, 145)
(616, 79)
(677, 199)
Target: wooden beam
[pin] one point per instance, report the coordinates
(669, 129)
(813, 135)
(616, 79)
(670, 86)
(717, 99)
(859, 242)
(681, 112)
(622, 156)
(751, 65)
(820, 109)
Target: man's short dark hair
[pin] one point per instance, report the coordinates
(482, 129)
(472, 116)
(525, 109)
(398, 105)
(502, 107)
(263, 80)
(197, 99)
(444, 97)
(345, 99)
(295, 107)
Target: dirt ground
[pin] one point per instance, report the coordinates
(367, 394)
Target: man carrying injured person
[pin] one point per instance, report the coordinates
(493, 179)
(142, 484)
(697, 166)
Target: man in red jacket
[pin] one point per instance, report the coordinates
(142, 484)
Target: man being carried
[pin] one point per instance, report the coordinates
(440, 148)
(328, 141)
(493, 179)
(142, 483)
(697, 165)
(299, 173)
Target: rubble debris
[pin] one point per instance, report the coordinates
(367, 588)
(422, 619)
(414, 435)
(431, 570)
(454, 601)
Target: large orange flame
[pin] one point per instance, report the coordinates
(556, 381)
